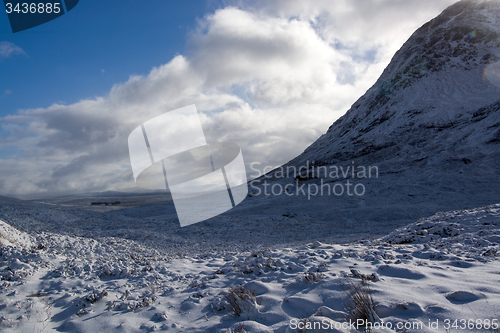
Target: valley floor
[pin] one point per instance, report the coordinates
(439, 274)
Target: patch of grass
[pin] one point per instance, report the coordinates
(313, 277)
(240, 299)
(360, 302)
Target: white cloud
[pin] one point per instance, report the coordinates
(8, 49)
(270, 78)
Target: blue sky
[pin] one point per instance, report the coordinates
(99, 43)
(269, 76)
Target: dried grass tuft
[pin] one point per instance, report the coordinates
(240, 300)
(360, 302)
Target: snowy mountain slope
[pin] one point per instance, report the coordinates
(431, 124)
(430, 98)
(75, 284)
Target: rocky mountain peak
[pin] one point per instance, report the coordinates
(461, 37)
(426, 100)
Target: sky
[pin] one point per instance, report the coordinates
(270, 76)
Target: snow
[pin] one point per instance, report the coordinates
(77, 284)
(10, 236)
(280, 263)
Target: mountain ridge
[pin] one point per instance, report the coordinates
(434, 82)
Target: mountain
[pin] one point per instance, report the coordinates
(430, 125)
(432, 107)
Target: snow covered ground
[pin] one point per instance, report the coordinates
(294, 263)
(425, 275)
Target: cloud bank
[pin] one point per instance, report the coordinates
(270, 77)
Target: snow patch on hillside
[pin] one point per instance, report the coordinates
(10, 236)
